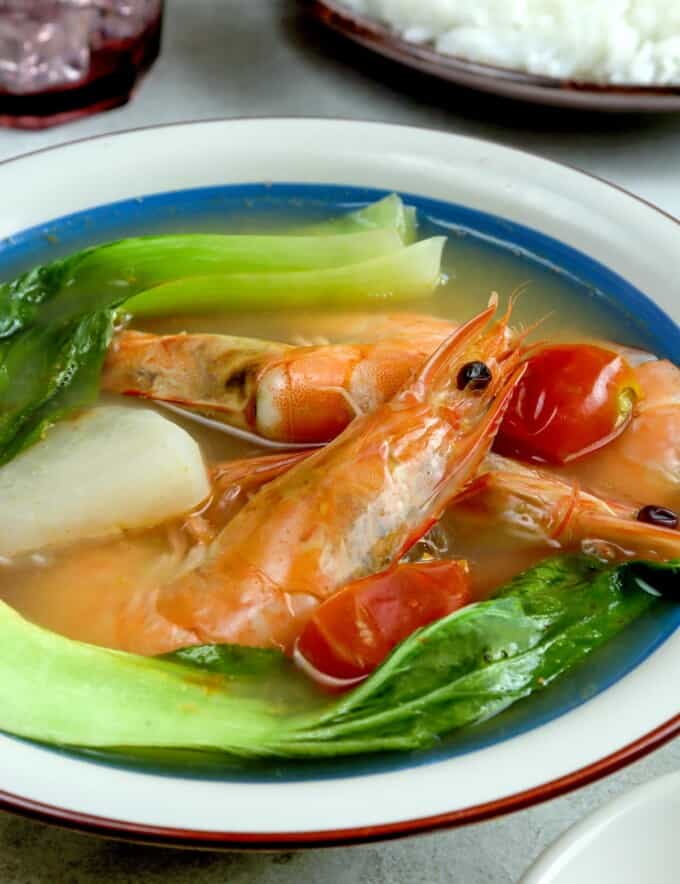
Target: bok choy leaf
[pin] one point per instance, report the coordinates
(457, 671)
(47, 371)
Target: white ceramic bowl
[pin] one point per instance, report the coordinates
(399, 795)
(631, 840)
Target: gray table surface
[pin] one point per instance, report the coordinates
(262, 57)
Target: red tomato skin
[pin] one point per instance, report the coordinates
(568, 403)
(352, 632)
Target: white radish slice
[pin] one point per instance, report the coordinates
(112, 468)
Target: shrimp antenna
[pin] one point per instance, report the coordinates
(525, 332)
(520, 289)
(521, 334)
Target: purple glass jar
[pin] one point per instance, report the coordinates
(64, 59)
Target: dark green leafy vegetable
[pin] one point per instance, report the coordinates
(485, 657)
(457, 671)
(47, 372)
(656, 578)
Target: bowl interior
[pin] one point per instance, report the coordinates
(592, 289)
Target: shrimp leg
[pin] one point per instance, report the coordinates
(535, 505)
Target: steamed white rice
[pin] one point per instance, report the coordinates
(601, 41)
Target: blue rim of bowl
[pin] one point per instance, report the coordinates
(248, 840)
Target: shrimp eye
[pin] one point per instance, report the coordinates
(475, 375)
(658, 515)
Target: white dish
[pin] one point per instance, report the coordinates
(631, 716)
(630, 840)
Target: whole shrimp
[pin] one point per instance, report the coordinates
(279, 392)
(506, 519)
(351, 509)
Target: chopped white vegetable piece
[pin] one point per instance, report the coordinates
(112, 468)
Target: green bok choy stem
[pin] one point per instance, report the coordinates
(412, 272)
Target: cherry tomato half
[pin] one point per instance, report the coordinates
(573, 399)
(353, 631)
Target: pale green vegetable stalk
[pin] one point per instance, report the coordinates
(142, 262)
(411, 273)
(389, 213)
